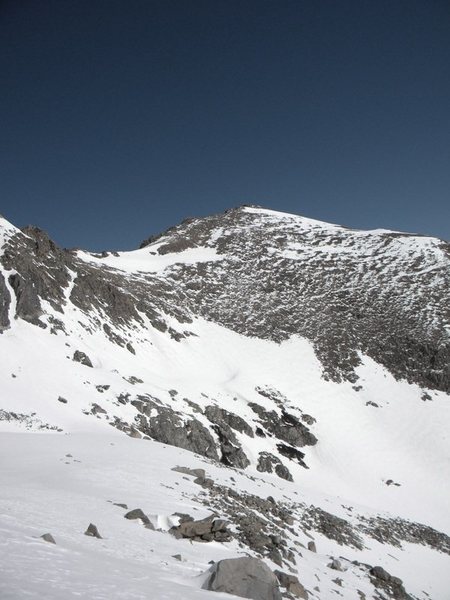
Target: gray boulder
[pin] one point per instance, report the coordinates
(336, 565)
(244, 577)
(205, 530)
(138, 513)
(92, 531)
(82, 358)
(47, 537)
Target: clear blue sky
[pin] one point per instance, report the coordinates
(120, 118)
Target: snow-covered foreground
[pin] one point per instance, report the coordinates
(61, 483)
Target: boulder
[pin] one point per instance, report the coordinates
(336, 565)
(92, 531)
(47, 537)
(82, 358)
(138, 513)
(205, 530)
(244, 577)
(393, 586)
(312, 547)
(292, 584)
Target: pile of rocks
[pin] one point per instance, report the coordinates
(204, 530)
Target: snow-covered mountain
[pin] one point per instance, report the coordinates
(288, 358)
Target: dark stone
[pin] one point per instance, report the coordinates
(206, 530)
(138, 513)
(267, 463)
(219, 416)
(92, 531)
(5, 301)
(312, 547)
(167, 427)
(292, 584)
(28, 304)
(47, 537)
(244, 577)
(292, 454)
(61, 399)
(388, 583)
(82, 358)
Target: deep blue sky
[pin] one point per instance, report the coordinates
(120, 118)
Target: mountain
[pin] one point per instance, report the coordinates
(290, 359)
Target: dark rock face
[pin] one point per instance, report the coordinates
(244, 577)
(167, 427)
(267, 463)
(220, 416)
(41, 272)
(82, 358)
(285, 427)
(5, 300)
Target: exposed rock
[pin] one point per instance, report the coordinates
(205, 530)
(92, 531)
(393, 586)
(333, 527)
(62, 400)
(261, 524)
(243, 577)
(138, 513)
(167, 427)
(285, 427)
(5, 300)
(267, 463)
(312, 547)
(395, 531)
(220, 416)
(97, 410)
(292, 584)
(336, 565)
(120, 505)
(47, 537)
(28, 304)
(82, 358)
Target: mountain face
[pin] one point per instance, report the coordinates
(286, 352)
